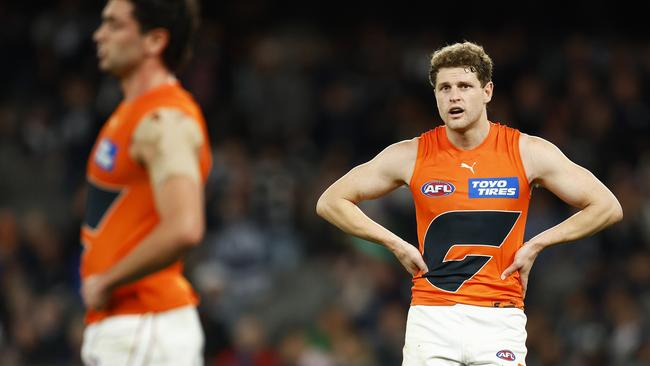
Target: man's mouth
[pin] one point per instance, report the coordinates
(456, 111)
(101, 51)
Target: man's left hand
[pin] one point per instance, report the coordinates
(524, 259)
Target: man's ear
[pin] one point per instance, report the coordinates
(155, 42)
(487, 92)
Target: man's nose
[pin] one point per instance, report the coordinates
(98, 33)
(454, 95)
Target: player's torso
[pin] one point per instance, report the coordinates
(120, 206)
(471, 209)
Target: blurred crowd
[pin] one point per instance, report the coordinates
(291, 106)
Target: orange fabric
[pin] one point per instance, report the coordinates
(121, 210)
(445, 210)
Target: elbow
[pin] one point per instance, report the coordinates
(616, 213)
(322, 206)
(189, 231)
(328, 207)
(194, 237)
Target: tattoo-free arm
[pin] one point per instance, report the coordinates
(389, 170)
(179, 201)
(168, 147)
(573, 184)
(547, 166)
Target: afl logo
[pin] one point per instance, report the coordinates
(506, 355)
(437, 188)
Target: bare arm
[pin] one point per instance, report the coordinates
(170, 154)
(573, 184)
(389, 170)
(547, 166)
(180, 205)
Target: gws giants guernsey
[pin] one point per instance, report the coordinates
(120, 208)
(471, 208)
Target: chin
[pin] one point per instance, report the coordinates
(106, 66)
(457, 125)
(112, 69)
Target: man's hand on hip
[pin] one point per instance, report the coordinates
(524, 259)
(95, 292)
(410, 258)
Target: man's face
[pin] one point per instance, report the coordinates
(461, 99)
(119, 41)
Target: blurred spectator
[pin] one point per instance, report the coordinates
(249, 346)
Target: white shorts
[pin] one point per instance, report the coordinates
(171, 337)
(465, 335)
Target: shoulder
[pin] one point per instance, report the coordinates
(401, 151)
(539, 155)
(530, 144)
(164, 130)
(165, 120)
(397, 160)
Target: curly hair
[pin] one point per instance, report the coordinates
(466, 54)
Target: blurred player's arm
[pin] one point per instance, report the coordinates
(167, 142)
(389, 170)
(548, 167)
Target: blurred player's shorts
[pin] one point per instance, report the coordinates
(167, 338)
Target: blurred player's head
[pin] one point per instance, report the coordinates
(461, 76)
(133, 31)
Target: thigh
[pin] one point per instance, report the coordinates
(430, 338)
(499, 339)
(178, 339)
(113, 341)
(171, 338)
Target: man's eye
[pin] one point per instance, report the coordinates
(113, 25)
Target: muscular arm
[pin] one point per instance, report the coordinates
(573, 184)
(547, 166)
(179, 203)
(168, 146)
(390, 169)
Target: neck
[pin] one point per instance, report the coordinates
(470, 137)
(146, 76)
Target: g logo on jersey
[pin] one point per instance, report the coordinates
(506, 187)
(437, 188)
(105, 154)
(507, 355)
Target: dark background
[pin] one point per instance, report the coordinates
(295, 94)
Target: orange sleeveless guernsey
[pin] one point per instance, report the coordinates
(120, 208)
(471, 208)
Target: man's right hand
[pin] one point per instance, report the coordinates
(95, 292)
(410, 258)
